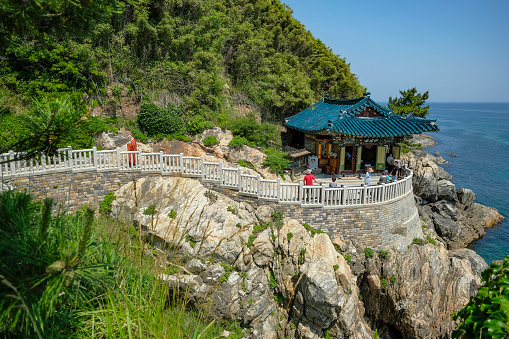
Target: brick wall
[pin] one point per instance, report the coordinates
(380, 226)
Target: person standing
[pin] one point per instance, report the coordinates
(309, 178)
(390, 163)
(333, 183)
(367, 178)
(397, 168)
(132, 146)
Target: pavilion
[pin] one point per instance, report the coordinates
(349, 135)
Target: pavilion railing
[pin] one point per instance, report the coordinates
(67, 159)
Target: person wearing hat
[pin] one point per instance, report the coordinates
(384, 178)
(367, 178)
(309, 177)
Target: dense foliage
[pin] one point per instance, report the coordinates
(410, 102)
(155, 120)
(204, 56)
(487, 313)
(256, 134)
(78, 276)
(275, 160)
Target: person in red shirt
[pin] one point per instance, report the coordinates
(309, 178)
(132, 147)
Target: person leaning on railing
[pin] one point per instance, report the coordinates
(309, 178)
(367, 178)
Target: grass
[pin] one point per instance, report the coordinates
(86, 276)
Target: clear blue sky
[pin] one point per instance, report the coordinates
(457, 50)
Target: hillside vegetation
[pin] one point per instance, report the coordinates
(200, 58)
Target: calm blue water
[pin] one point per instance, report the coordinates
(478, 134)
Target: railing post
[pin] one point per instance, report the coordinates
(94, 150)
(202, 167)
(323, 194)
(43, 162)
(161, 164)
(278, 188)
(119, 166)
(68, 155)
(220, 173)
(240, 177)
(12, 163)
(182, 163)
(343, 195)
(364, 193)
(383, 193)
(140, 158)
(258, 185)
(301, 192)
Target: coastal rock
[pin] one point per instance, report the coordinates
(466, 196)
(456, 219)
(425, 179)
(446, 191)
(484, 216)
(412, 294)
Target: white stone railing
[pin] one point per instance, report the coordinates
(67, 159)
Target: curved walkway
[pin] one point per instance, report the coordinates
(89, 160)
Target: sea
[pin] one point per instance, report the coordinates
(474, 138)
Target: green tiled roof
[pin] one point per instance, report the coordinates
(338, 115)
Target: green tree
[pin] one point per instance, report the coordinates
(410, 102)
(276, 161)
(46, 125)
(487, 313)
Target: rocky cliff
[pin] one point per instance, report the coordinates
(451, 215)
(281, 279)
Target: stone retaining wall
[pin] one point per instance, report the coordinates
(378, 226)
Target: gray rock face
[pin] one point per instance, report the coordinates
(456, 218)
(289, 283)
(412, 294)
(446, 191)
(466, 196)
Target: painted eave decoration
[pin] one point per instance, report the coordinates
(357, 117)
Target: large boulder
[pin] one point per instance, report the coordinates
(412, 294)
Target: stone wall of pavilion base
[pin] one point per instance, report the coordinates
(381, 226)
(73, 190)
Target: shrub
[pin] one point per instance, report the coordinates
(289, 236)
(238, 141)
(487, 313)
(348, 257)
(172, 214)
(392, 280)
(431, 241)
(151, 210)
(210, 141)
(311, 229)
(250, 240)
(383, 254)
(368, 252)
(272, 282)
(105, 205)
(276, 161)
(156, 120)
(260, 228)
(335, 268)
(246, 164)
(258, 134)
(418, 241)
(383, 282)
